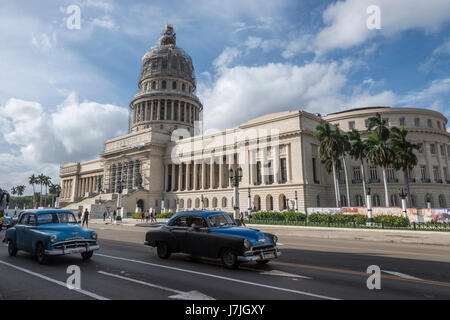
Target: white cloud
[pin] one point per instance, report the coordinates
(106, 22)
(439, 57)
(226, 57)
(345, 23)
(43, 139)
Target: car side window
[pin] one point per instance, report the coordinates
(197, 221)
(23, 219)
(32, 220)
(180, 222)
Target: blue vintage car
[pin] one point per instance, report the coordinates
(213, 234)
(50, 232)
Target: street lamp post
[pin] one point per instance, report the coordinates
(249, 202)
(235, 178)
(119, 198)
(403, 197)
(369, 204)
(296, 201)
(203, 203)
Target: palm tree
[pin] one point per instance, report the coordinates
(330, 149)
(13, 191)
(46, 182)
(345, 149)
(379, 154)
(405, 158)
(20, 189)
(358, 150)
(33, 180)
(40, 180)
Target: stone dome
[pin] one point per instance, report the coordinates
(167, 60)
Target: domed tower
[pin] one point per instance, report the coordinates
(166, 100)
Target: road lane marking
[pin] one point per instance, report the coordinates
(63, 284)
(359, 273)
(220, 277)
(365, 249)
(190, 295)
(282, 274)
(401, 275)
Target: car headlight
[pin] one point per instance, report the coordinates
(275, 239)
(53, 239)
(94, 236)
(247, 244)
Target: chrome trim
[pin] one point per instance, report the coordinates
(258, 257)
(56, 252)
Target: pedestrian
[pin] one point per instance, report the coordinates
(142, 216)
(154, 216)
(104, 216)
(86, 218)
(151, 216)
(241, 219)
(147, 216)
(114, 215)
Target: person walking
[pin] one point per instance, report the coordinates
(241, 219)
(86, 218)
(147, 216)
(114, 215)
(104, 216)
(142, 216)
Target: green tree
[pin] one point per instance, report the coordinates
(358, 150)
(40, 181)
(13, 191)
(33, 180)
(20, 190)
(405, 159)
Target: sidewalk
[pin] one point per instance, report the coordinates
(372, 235)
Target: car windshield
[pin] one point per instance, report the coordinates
(56, 217)
(221, 220)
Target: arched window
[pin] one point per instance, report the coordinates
(442, 203)
(376, 200)
(359, 200)
(189, 203)
(197, 203)
(181, 203)
(224, 202)
(394, 200)
(257, 203)
(174, 85)
(167, 204)
(269, 203)
(164, 84)
(282, 202)
(183, 87)
(206, 202)
(428, 200)
(214, 202)
(343, 200)
(413, 201)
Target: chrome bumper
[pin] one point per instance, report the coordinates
(57, 252)
(259, 257)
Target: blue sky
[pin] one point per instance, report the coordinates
(64, 92)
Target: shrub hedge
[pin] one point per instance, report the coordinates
(392, 221)
(165, 215)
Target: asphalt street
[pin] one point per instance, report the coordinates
(308, 269)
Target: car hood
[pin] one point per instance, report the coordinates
(255, 236)
(64, 230)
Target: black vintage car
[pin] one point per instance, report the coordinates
(213, 234)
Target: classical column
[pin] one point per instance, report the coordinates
(196, 182)
(288, 163)
(188, 175)
(429, 160)
(180, 176)
(441, 169)
(173, 177)
(166, 177)
(221, 167)
(203, 175)
(212, 175)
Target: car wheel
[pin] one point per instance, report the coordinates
(229, 259)
(263, 261)
(12, 250)
(41, 257)
(87, 255)
(163, 250)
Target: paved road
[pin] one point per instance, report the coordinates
(308, 269)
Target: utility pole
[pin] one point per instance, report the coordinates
(235, 178)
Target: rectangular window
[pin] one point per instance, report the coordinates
(429, 123)
(351, 125)
(423, 173)
(169, 110)
(314, 168)
(391, 173)
(341, 176)
(284, 170)
(417, 122)
(357, 173)
(436, 173)
(373, 173)
(433, 148)
(366, 123)
(258, 173)
(270, 169)
(402, 121)
(182, 112)
(175, 111)
(445, 173)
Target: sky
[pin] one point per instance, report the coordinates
(66, 79)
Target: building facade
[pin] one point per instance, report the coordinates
(164, 163)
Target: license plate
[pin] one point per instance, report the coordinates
(268, 256)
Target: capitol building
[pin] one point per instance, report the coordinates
(165, 163)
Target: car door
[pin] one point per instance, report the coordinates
(20, 228)
(179, 229)
(27, 234)
(198, 239)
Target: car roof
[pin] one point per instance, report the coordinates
(203, 213)
(42, 211)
